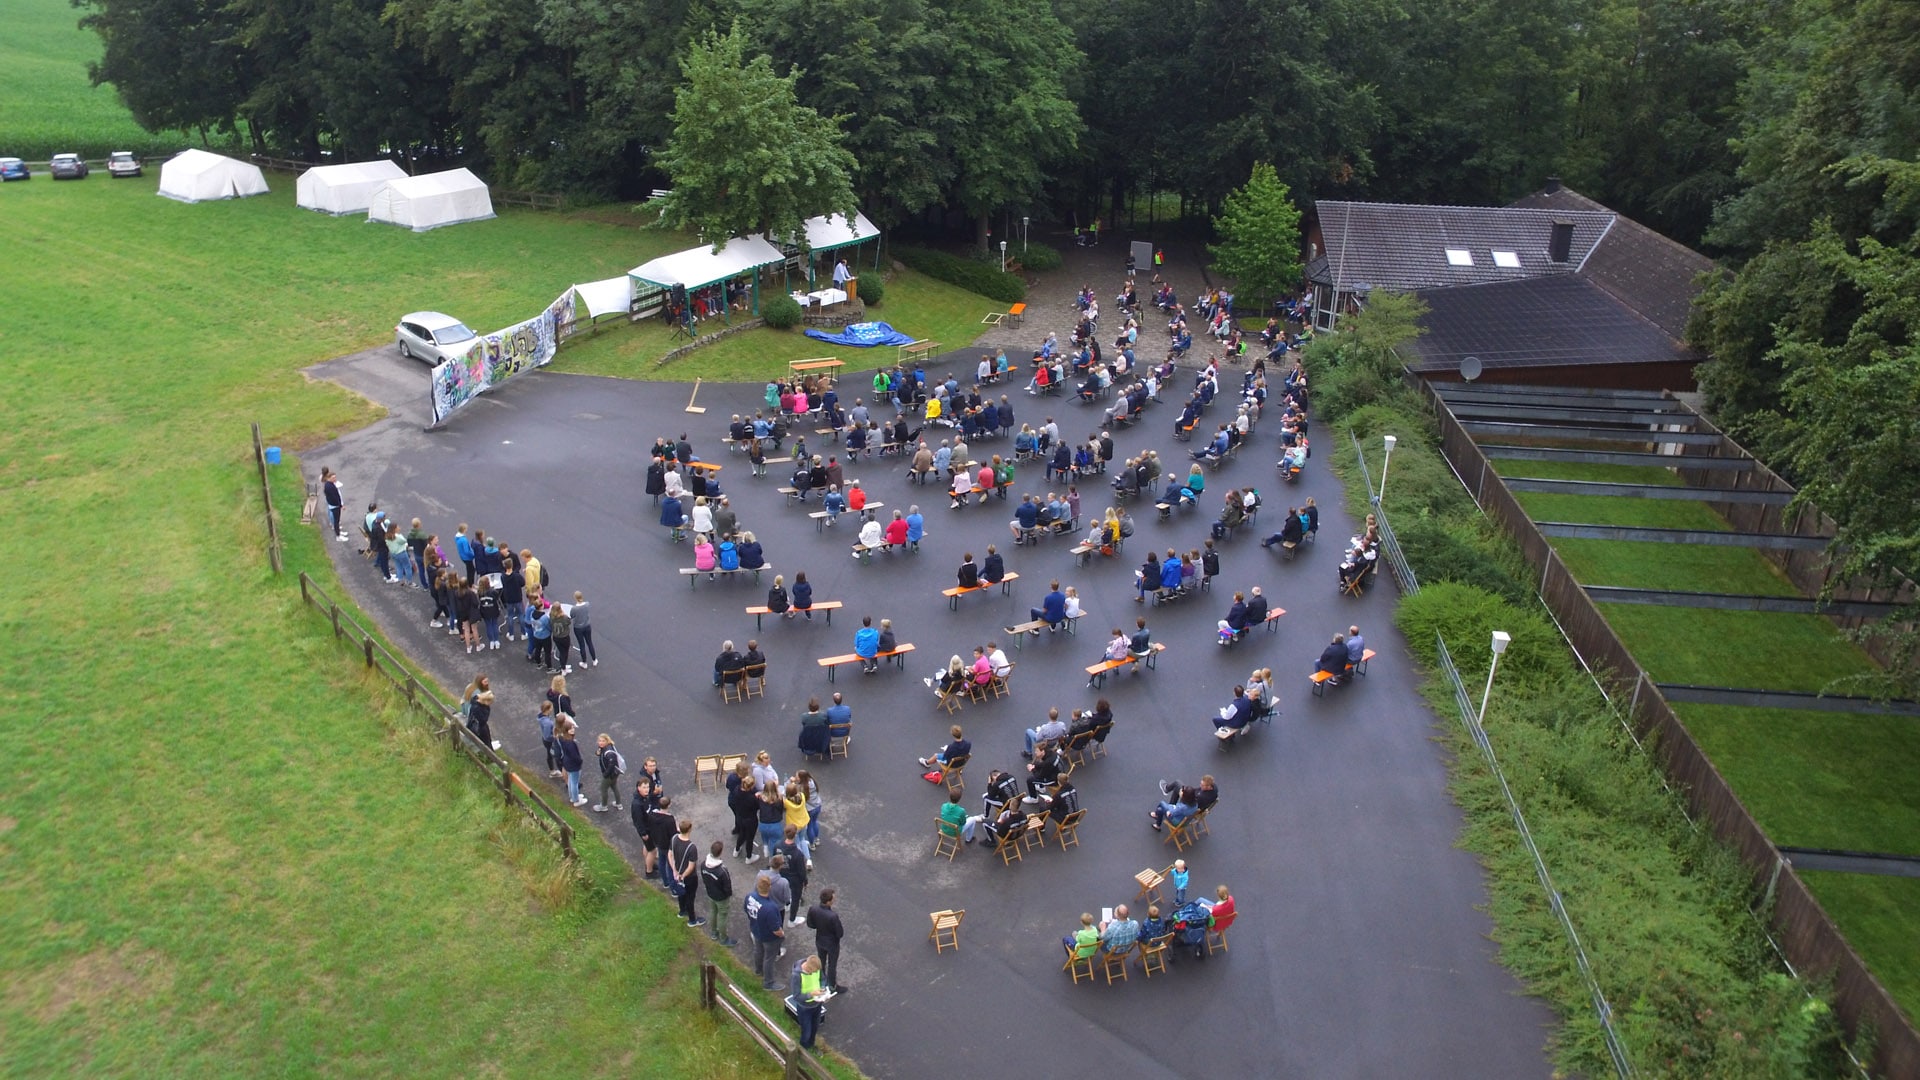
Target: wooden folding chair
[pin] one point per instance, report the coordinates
(1099, 747)
(952, 776)
(1066, 830)
(1153, 954)
(839, 741)
(977, 692)
(706, 771)
(1180, 834)
(946, 930)
(1036, 832)
(1216, 941)
(1008, 845)
(1150, 881)
(1081, 967)
(999, 683)
(1114, 965)
(1076, 747)
(945, 843)
(733, 689)
(1197, 824)
(949, 700)
(754, 683)
(727, 764)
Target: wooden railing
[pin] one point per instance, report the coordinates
(720, 994)
(266, 497)
(536, 199)
(441, 717)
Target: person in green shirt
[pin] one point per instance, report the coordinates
(952, 816)
(1085, 941)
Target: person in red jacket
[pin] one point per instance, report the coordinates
(897, 531)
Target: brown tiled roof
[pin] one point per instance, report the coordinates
(1641, 268)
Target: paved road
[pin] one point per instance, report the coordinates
(1360, 951)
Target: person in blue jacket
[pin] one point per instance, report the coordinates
(463, 545)
(1052, 609)
(1170, 570)
(673, 517)
(916, 526)
(802, 596)
(866, 645)
(729, 555)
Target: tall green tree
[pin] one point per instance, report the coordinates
(1259, 230)
(745, 156)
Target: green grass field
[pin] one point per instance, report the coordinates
(224, 853)
(47, 105)
(1812, 779)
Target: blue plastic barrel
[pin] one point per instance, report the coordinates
(273, 455)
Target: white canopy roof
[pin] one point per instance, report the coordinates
(703, 266)
(195, 175)
(606, 297)
(832, 231)
(345, 189)
(430, 201)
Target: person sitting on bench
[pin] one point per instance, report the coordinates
(969, 573)
(1052, 609)
(1291, 530)
(1333, 660)
(1236, 714)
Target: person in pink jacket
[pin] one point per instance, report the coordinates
(703, 555)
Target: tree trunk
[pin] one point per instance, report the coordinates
(983, 232)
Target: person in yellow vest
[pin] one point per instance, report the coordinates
(807, 997)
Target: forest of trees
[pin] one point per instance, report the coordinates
(1777, 135)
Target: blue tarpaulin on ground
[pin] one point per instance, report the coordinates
(863, 335)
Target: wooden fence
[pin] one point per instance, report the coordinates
(442, 718)
(1806, 935)
(536, 199)
(796, 1063)
(266, 497)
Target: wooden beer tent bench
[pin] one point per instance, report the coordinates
(828, 606)
(898, 655)
(954, 594)
(1097, 673)
(1320, 679)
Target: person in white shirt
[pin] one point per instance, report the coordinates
(1073, 603)
(997, 656)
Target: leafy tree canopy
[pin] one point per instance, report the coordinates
(1259, 231)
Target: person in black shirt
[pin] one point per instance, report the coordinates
(827, 933)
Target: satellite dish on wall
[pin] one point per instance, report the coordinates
(1470, 368)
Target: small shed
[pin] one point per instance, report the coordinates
(345, 189)
(194, 175)
(429, 201)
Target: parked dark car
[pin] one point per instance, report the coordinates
(68, 167)
(12, 168)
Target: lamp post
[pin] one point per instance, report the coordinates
(1023, 235)
(1390, 441)
(1501, 639)
(1003, 256)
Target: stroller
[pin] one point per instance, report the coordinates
(1190, 923)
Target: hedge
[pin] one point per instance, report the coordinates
(988, 281)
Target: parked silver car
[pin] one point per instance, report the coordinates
(68, 167)
(123, 163)
(432, 336)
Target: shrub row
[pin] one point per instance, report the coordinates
(969, 274)
(1661, 908)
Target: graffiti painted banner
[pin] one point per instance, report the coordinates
(499, 356)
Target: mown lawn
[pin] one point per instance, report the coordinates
(224, 853)
(1878, 916)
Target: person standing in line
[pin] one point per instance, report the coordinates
(583, 632)
(513, 596)
(463, 547)
(745, 804)
(683, 865)
(399, 557)
(417, 552)
(336, 502)
(570, 760)
(547, 741)
(560, 627)
(827, 933)
(480, 710)
(609, 775)
(794, 869)
(809, 997)
(772, 814)
(768, 928)
(487, 606)
(540, 641)
(719, 883)
(810, 788)
(466, 607)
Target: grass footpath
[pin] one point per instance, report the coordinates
(224, 851)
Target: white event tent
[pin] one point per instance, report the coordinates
(194, 175)
(345, 189)
(701, 266)
(430, 201)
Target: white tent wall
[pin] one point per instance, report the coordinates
(345, 189)
(430, 201)
(198, 176)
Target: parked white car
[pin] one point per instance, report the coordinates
(432, 336)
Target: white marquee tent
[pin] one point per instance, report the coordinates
(196, 176)
(345, 189)
(704, 266)
(430, 201)
(832, 231)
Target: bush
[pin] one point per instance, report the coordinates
(1039, 257)
(780, 312)
(872, 289)
(1438, 552)
(973, 276)
(1467, 616)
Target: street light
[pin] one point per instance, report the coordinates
(1501, 639)
(1390, 440)
(1023, 235)
(1003, 256)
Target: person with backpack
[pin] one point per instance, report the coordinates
(560, 627)
(719, 884)
(612, 765)
(478, 702)
(540, 637)
(683, 869)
